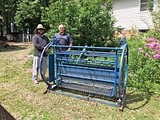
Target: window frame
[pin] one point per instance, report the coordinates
(144, 4)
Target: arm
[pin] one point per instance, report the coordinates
(70, 45)
(48, 49)
(35, 43)
(70, 42)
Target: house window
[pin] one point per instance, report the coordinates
(144, 4)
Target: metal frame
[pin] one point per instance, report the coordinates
(71, 72)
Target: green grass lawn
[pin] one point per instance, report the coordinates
(26, 101)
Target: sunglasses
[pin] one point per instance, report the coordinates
(40, 29)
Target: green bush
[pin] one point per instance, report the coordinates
(153, 33)
(88, 22)
(144, 69)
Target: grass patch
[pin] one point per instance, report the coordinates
(26, 101)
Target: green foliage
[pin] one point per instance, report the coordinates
(87, 21)
(143, 71)
(31, 52)
(29, 63)
(153, 33)
(151, 5)
(10, 71)
(28, 14)
(155, 19)
(24, 13)
(7, 11)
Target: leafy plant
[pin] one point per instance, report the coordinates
(155, 13)
(89, 22)
(144, 67)
(28, 13)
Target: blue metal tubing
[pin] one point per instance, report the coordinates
(56, 66)
(77, 52)
(82, 53)
(87, 78)
(106, 68)
(51, 68)
(124, 47)
(87, 68)
(88, 53)
(40, 64)
(122, 64)
(115, 75)
(87, 61)
(86, 98)
(88, 47)
(126, 73)
(99, 54)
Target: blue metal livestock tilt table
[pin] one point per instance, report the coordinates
(92, 73)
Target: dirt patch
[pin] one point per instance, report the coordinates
(7, 43)
(4, 44)
(19, 43)
(15, 46)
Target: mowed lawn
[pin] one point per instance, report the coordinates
(26, 101)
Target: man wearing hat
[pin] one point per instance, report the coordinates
(39, 42)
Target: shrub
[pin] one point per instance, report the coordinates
(88, 22)
(144, 65)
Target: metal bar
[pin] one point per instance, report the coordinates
(86, 61)
(82, 97)
(90, 47)
(106, 69)
(51, 68)
(115, 76)
(98, 90)
(56, 66)
(88, 78)
(88, 53)
(82, 53)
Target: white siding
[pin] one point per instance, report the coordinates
(128, 15)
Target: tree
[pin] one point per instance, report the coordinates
(88, 22)
(7, 11)
(155, 13)
(28, 14)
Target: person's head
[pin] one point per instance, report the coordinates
(61, 28)
(40, 29)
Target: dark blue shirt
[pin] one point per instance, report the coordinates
(63, 39)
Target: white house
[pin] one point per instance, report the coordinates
(133, 13)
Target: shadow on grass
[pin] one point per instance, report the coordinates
(136, 100)
(12, 48)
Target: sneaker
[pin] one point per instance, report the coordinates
(51, 83)
(35, 81)
(53, 86)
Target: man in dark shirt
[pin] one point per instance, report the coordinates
(39, 42)
(63, 38)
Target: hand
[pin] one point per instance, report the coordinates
(47, 51)
(69, 49)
